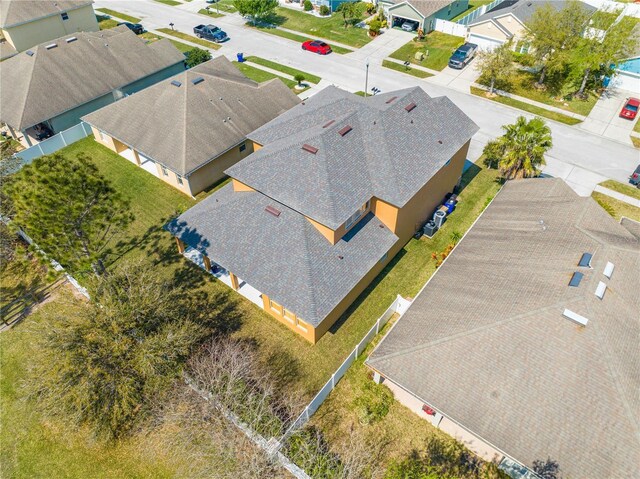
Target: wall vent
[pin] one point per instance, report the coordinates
(608, 269)
(601, 289)
(585, 260)
(390, 100)
(311, 149)
(575, 279)
(195, 81)
(581, 320)
(51, 45)
(176, 83)
(410, 107)
(343, 131)
(30, 53)
(272, 211)
(328, 124)
(71, 39)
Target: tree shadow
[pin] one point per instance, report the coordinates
(271, 21)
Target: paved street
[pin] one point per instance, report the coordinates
(580, 156)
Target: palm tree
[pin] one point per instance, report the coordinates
(520, 151)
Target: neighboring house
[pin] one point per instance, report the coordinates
(26, 23)
(335, 187)
(628, 72)
(507, 21)
(51, 86)
(188, 129)
(495, 350)
(422, 12)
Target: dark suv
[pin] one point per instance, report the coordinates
(463, 55)
(134, 27)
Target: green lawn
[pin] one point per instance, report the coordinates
(210, 13)
(105, 23)
(284, 69)
(635, 141)
(152, 37)
(437, 47)
(329, 28)
(473, 5)
(401, 68)
(401, 430)
(258, 75)
(190, 38)
(616, 208)
(225, 6)
(636, 127)
(173, 3)
(536, 110)
(298, 38)
(625, 189)
(360, 93)
(123, 16)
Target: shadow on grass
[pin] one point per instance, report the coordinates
(468, 176)
(271, 21)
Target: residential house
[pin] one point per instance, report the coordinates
(188, 129)
(26, 23)
(48, 88)
(524, 343)
(507, 22)
(334, 189)
(423, 13)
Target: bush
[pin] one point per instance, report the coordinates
(374, 27)
(324, 10)
(308, 6)
(373, 402)
(196, 56)
(299, 77)
(524, 59)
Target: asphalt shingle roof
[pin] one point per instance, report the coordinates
(390, 152)
(15, 12)
(426, 7)
(284, 257)
(486, 343)
(205, 119)
(35, 88)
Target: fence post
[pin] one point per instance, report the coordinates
(64, 142)
(357, 346)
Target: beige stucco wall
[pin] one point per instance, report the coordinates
(39, 31)
(513, 25)
(488, 29)
(213, 171)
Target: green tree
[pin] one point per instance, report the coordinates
(196, 56)
(375, 26)
(299, 77)
(255, 9)
(307, 5)
(103, 363)
(520, 151)
(496, 65)
(69, 209)
(351, 11)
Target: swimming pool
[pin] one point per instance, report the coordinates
(632, 65)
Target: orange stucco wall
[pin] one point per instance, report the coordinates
(293, 323)
(239, 186)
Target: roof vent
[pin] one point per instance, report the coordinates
(195, 81)
(51, 45)
(608, 269)
(176, 83)
(581, 320)
(391, 99)
(345, 130)
(272, 211)
(340, 257)
(585, 260)
(410, 107)
(575, 279)
(310, 149)
(71, 39)
(328, 124)
(601, 289)
(30, 53)
(439, 142)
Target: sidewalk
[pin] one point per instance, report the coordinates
(618, 196)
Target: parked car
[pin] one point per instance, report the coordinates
(134, 27)
(213, 1)
(317, 46)
(630, 109)
(634, 179)
(210, 32)
(409, 26)
(463, 55)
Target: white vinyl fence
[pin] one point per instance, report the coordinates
(400, 306)
(479, 11)
(450, 28)
(55, 143)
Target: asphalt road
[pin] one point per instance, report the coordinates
(580, 157)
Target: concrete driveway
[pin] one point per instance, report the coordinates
(604, 119)
(457, 79)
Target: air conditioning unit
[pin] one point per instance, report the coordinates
(430, 229)
(439, 218)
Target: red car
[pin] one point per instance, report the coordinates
(630, 109)
(316, 46)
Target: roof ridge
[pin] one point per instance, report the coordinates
(183, 134)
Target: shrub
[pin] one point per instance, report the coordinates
(308, 6)
(324, 10)
(299, 77)
(374, 27)
(524, 59)
(196, 56)
(373, 402)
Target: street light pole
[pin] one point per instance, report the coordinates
(366, 80)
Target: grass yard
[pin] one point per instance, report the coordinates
(297, 38)
(329, 28)
(105, 22)
(258, 75)
(210, 13)
(152, 37)
(190, 38)
(173, 3)
(616, 208)
(636, 127)
(123, 16)
(409, 71)
(225, 6)
(536, 110)
(284, 69)
(623, 188)
(338, 416)
(473, 5)
(437, 47)
(635, 141)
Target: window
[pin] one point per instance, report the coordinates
(447, 163)
(243, 147)
(289, 316)
(165, 172)
(356, 216)
(101, 135)
(301, 325)
(384, 256)
(275, 306)
(64, 15)
(179, 179)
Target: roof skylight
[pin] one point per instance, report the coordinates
(575, 279)
(585, 260)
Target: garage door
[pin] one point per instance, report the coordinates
(483, 43)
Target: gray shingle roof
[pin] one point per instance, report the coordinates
(426, 7)
(39, 87)
(486, 343)
(15, 12)
(284, 257)
(523, 9)
(390, 153)
(196, 115)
